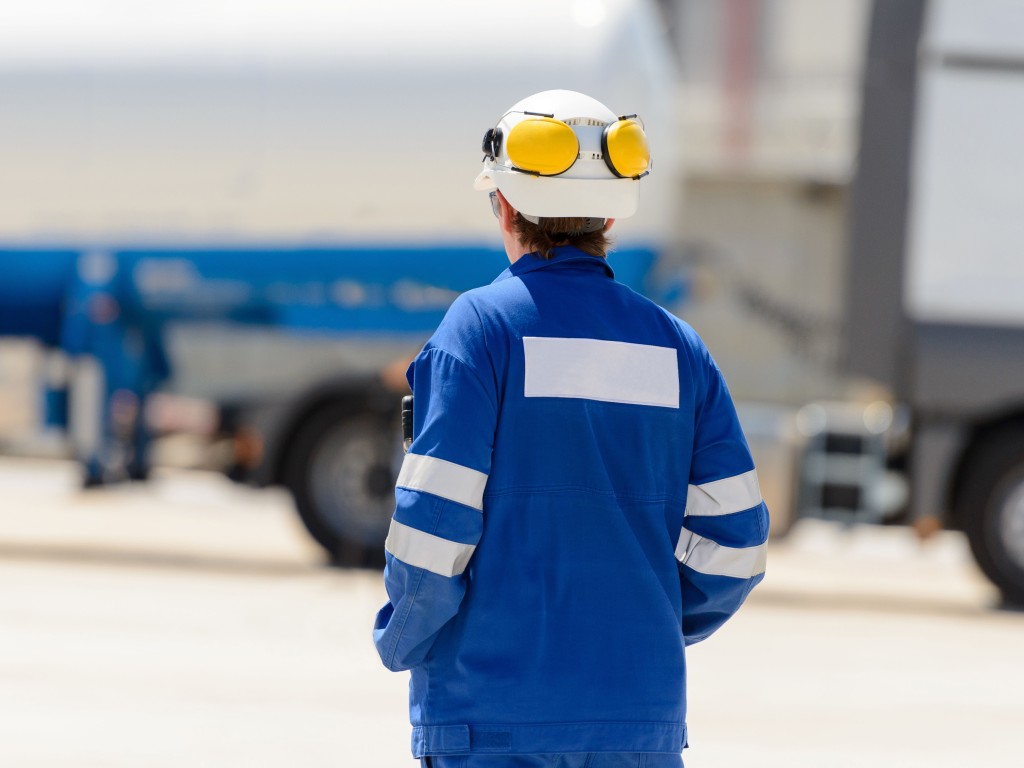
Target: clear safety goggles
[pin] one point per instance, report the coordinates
(542, 145)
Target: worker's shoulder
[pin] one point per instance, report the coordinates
(463, 330)
(470, 305)
(486, 301)
(645, 309)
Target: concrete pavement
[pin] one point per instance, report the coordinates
(189, 622)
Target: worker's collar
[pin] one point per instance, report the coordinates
(562, 256)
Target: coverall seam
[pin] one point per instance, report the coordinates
(469, 367)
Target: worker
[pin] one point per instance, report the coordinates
(578, 503)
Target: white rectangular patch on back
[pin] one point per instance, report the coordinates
(592, 369)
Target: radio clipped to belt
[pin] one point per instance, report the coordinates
(406, 422)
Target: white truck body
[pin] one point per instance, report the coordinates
(303, 120)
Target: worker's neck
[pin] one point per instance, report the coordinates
(513, 247)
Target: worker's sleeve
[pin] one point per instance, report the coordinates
(439, 506)
(723, 546)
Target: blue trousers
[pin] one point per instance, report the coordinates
(574, 760)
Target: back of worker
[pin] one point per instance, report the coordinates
(577, 505)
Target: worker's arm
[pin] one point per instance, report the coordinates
(439, 501)
(723, 545)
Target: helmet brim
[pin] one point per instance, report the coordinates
(553, 196)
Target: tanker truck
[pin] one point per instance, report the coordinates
(268, 209)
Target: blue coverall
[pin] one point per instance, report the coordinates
(578, 505)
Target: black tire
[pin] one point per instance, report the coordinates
(341, 469)
(990, 507)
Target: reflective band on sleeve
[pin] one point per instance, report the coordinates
(685, 538)
(713, 559)
(724, 497)
(593, 369)
(424, 550)
(443, 478)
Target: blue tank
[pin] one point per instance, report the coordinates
(33, 289)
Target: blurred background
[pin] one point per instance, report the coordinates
(226, 227)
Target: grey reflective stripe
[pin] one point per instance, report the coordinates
(443, 478)
(713, 559)
(425, 550)
(685, 537)
(725, 496)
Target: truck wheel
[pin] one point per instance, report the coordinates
(991, 509)
(341, 471)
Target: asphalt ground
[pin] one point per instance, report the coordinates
(190, 622)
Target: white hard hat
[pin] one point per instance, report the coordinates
(571, 156)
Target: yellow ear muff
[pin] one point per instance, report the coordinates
(625, 149)
(542, 145)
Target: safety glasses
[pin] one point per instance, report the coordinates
(544, 146)
(495, 204)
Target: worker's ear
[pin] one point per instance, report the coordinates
(508, 214)
(608, 224)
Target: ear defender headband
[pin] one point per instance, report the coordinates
(544, 146)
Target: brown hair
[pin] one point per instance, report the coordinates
(543, 237)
